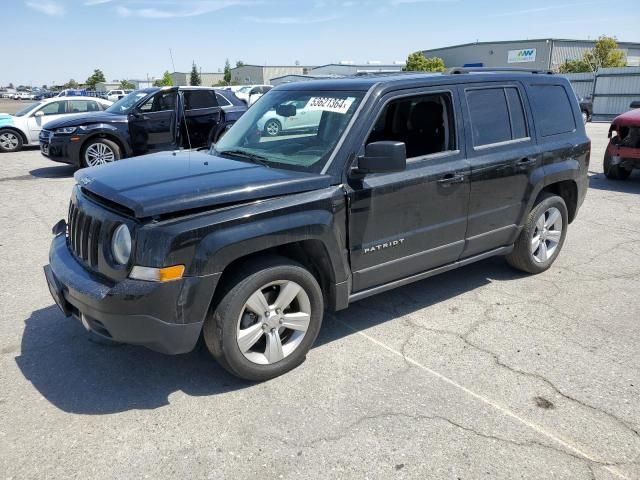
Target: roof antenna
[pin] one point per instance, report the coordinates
(184, 119)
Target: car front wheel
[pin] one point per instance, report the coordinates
(614, 172)
(266, 321)
(10, 141)
(272, 128)
(542, 236)
(100, 151)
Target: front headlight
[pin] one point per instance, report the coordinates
(65, 130)
(121, 244)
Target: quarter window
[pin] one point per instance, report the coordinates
(552, 108)
(222, 101)
(424, 123)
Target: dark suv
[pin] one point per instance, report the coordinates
(145, 121)
(403, 177)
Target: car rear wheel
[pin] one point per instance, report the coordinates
(266, 322)
(585, 116)
(272, 128)
(100, 151)
(614, 172)
(10, 141)
(542, 237)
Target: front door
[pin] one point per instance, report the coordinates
(404, 223)
(503, 157)
(152, 126)
(202, 116)
(48, 112)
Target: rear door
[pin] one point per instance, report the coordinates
(503, 157)
(404, 223)
(152, 126)
(202, 116)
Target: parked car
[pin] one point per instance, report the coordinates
(24, 127)
(272, 124)
(23, 96)
(406, 176)
(145, 121)
(623, 152)
(250, 93)
(72, 92)
(586, 108)
(115, 95)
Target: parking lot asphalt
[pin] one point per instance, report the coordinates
(482, 372)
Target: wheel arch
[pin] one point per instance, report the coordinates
(568, 191)
(23, 135)
(107, 136)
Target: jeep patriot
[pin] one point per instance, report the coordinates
(399, 178)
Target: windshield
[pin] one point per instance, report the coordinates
(290, 129)
(27, 109)
(126, 103)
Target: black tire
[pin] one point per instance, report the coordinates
(220, 327)
(10, 140)
(114, 147)
(585, 116)
(272, 128)
(614, 172)
(522, 258)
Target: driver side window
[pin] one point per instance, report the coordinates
(54, 108)
(423, 123)
(160, 102)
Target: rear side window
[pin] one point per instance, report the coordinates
(552, 109)
(196, 99)
(496, 115)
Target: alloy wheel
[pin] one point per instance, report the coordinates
(273, 322)
(273, 128)
(9, 141)
(98, 154)
(547, 234)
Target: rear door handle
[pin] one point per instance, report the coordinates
(451, 178)
(526, 162)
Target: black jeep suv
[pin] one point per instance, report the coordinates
(145, 121)
(403, 177)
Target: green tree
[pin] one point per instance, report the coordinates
(417, 62)
(239, 63)
(95, 78)
(195, 76)
(165, 81)
(604, 54)
(227, 72)
(71, 84)
(127, 85)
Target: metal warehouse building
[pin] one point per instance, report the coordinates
(546, 53)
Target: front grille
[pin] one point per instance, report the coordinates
(83, 235)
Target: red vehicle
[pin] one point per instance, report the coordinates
(623, 152)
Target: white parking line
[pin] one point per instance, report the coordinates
(504, 410)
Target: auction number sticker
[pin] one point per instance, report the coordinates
(328, 104)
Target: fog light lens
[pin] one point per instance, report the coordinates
(121, 244)
(152, 274)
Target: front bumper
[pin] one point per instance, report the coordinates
(165, 317)
(60, 148)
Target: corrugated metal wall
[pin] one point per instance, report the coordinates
(614, 90)
(582, 83)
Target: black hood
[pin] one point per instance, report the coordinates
(79, 119)
(165, 182)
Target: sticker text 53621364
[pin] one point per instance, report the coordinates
(330, 104)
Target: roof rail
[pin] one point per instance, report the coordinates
(459, 70)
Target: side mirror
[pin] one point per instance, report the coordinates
(39, 113)
(635, 104)
(288, 110)
(383, 157)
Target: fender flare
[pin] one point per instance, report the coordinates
(105, 130)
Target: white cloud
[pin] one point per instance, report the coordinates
(525, 11)
(96, 2)
(48, 7)
(172, 9)
(291, 20)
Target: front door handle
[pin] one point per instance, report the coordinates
(451, 178)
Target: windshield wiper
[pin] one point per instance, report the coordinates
(254, 157)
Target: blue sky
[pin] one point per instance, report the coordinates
(48, 41)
